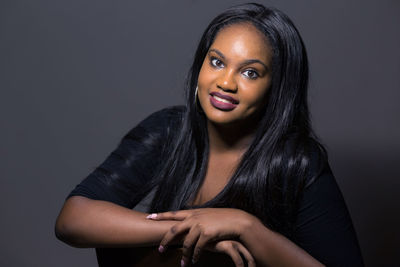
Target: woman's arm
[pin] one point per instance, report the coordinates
(272, 249)
(323, 228)
(84, 222)
(323, 231)
(98, 211)
(205, 226)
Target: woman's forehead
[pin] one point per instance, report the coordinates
(242, 41)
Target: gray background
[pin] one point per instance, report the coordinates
(75, 76)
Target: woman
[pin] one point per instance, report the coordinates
(237, 170)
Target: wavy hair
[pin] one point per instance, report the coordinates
(276, 167)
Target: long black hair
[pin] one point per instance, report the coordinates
(276, 167)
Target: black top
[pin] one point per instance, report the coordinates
(323, 227)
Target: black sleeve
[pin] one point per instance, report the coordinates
(324, 227)
(124, 177)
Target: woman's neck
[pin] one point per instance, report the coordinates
(230, 138)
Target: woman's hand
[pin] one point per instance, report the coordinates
(204, 227)
(233, 249)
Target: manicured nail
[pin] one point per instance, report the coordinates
(161, 249)
(182, 263)
(151, 216)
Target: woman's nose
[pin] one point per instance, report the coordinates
(226, 81)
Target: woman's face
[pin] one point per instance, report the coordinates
(235, 75)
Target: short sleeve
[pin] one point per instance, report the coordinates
(324, 227)
(126, 175)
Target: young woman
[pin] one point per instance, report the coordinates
(237, 170)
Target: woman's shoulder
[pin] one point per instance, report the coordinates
(171, 111)
(318, 160)
(311, 152)
(161, 121)
(169, 114)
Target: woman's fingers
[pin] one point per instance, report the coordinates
(170, 215)
(246, 254)
(235, 249)
(187, 246)
(175, 231)
(202, 241)
(233, 252)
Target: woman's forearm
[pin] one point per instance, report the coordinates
(93, 223)
(273, 249)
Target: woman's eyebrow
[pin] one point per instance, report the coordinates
(246, 62)
(218, 52)
(251, 61)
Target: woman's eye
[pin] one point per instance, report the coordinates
(217, 63)
(251, 74)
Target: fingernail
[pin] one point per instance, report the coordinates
(161, 249)
(151, 216)
(182, 263)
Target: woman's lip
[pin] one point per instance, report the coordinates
(226, 97)
(221, 105)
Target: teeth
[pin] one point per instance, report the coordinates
(222, 100)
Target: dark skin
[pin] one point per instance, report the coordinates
(238, 65)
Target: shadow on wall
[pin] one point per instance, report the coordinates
(370, 183)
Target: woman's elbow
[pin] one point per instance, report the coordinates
(67, 227)
(64, 233)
